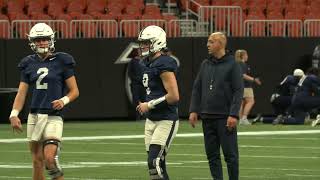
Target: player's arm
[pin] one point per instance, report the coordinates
(17, 107)
(170, 84)
(73, 88)
(72, 94)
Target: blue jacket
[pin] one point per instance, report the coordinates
(218, 87)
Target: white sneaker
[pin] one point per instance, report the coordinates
(316, 122)
(244, 122)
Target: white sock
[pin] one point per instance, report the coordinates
(244, 117)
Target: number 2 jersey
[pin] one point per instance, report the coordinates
(155, 89)
(46, 79)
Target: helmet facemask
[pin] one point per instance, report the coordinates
(146, 48)
(40, 32)
(41, 50)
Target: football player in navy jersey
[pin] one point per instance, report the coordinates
(306, 97)
(281, 99)
(47, 75)
(162, 96)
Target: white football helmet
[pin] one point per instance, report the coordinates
(298, 72)
(154, 35)
(41, 30)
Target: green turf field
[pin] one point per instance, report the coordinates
(110, 153)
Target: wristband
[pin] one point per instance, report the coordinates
(14, 113)
(65, 100)
(152, 104)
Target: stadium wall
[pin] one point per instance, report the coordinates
(102, 83)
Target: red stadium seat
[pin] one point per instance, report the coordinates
(173, 29)
(275, 6)
(257, 29)
(130, 29)
(313, 29)
(133, 10)
(242, 3)
(3, 3)
(275, 15)
(96, 6)
(294, 15)
(236, 29)
(152, 20)
(276, 29)
(76, 6)
(21, 29)
(294, 29)
(136, 4)
(4, 29)
(64, 28)
(106, 17)
(220, 3)
(108, 30)
(128, 17)
(15, 7)
(55, 9)
(41, 17)
(3, 17)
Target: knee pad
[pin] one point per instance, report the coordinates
(156, 158)
(56, 171)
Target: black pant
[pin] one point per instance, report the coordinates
(215, 135)
(281, 104)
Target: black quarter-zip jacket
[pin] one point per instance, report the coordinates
(218, 87)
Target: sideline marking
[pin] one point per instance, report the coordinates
(253, 133)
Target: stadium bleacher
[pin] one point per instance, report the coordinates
(124, 18)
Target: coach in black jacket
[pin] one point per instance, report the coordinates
(216, 97)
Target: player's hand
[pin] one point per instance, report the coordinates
(142, 108)
(193, 119)
(231, 123)
(16, 124)
(57, 104)
(257, 81)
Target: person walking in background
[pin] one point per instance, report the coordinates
(216, 97)
(162, 97)
(248, 95)
(46, 74)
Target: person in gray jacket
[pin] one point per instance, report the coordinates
(216, 97)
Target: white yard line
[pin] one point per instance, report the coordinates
(303, 175)
(254, 133)
(174, 154)
(181, 144)
(177, 164)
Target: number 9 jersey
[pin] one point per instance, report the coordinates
(154, 87)
(46, 79)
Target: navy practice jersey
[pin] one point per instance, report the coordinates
(46, 79)
(308, 86)
(155, 89)
(288, 85)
